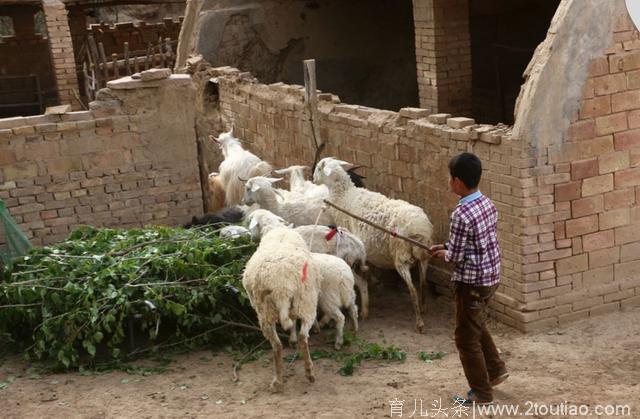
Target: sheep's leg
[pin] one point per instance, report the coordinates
(353, 314)
(332, 312)
(363, 287)
(405, 272)
(324, 320)
(269, 332)
(303, 347)
(293, 335)
(423, 265)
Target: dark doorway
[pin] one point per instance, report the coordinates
(504, 36)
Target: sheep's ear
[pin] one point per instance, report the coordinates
(214, 139)
(327, 171)
(253, 224)
(274, 179)
(345, 165)
(255, 187)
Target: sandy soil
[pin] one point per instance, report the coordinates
(596, 361)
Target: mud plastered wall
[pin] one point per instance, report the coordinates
(130, 161)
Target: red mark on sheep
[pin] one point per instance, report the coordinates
(331, 234)
(305, 271)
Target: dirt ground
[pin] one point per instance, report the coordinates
(596, 361)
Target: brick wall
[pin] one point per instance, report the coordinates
(582, 253)
(64, 64)
(106, 167)
(405, 154)
(443, 55)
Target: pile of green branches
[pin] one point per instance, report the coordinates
(109, 294)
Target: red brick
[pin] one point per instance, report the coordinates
(598, 106)
(623, 62)
(619, 199)
(627, 140)
(598, 67)
(611, 83)
(633, 79)
(627, 234)
(634, 119)
(567, 191)
(599, 240)
(582, 130)
(581, 226)
(625, 101)
(611, 123)
(627, 178)
(558, 229)
(614, 218)
(612, 162)
(584, 168)
(630, 252)
(597, 185)
(572, 265)
(604, 257)
(587, 206)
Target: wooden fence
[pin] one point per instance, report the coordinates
(97, 69)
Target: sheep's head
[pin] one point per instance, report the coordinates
(261, 221)
(257, 188)
(225, 141)
(329, 170)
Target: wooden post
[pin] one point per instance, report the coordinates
(94, 61)
(126, 59)
(149, 52)
(87, 87)
(136, 66)
(116, 70)
(103, 58)
(169, 51)
(311, 103)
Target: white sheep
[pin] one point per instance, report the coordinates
(335, 278)
(238, 163)
(234, 232)
(282, 284)
(298, 209)
(383, 250)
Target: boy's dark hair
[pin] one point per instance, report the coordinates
(466, 167)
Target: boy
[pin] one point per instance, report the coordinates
(473, 248)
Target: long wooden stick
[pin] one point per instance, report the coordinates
(386, 230)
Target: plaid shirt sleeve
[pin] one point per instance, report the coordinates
(458, 232)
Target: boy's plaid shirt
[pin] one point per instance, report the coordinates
(473, 242)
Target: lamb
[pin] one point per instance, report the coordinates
(297, 182)
(383, 250)
(329, 240)
(281, 281)
(216, 192)
(238, 163)
(335, 279)
(294, 207)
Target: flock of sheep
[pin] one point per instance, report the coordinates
(303, 261)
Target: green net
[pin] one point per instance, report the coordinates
(13, 242)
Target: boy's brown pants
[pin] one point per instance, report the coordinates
(478, 354)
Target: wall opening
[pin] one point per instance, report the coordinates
(504, 36)
(27, 84)
(364, 49)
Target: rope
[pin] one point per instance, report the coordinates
(393, 233)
